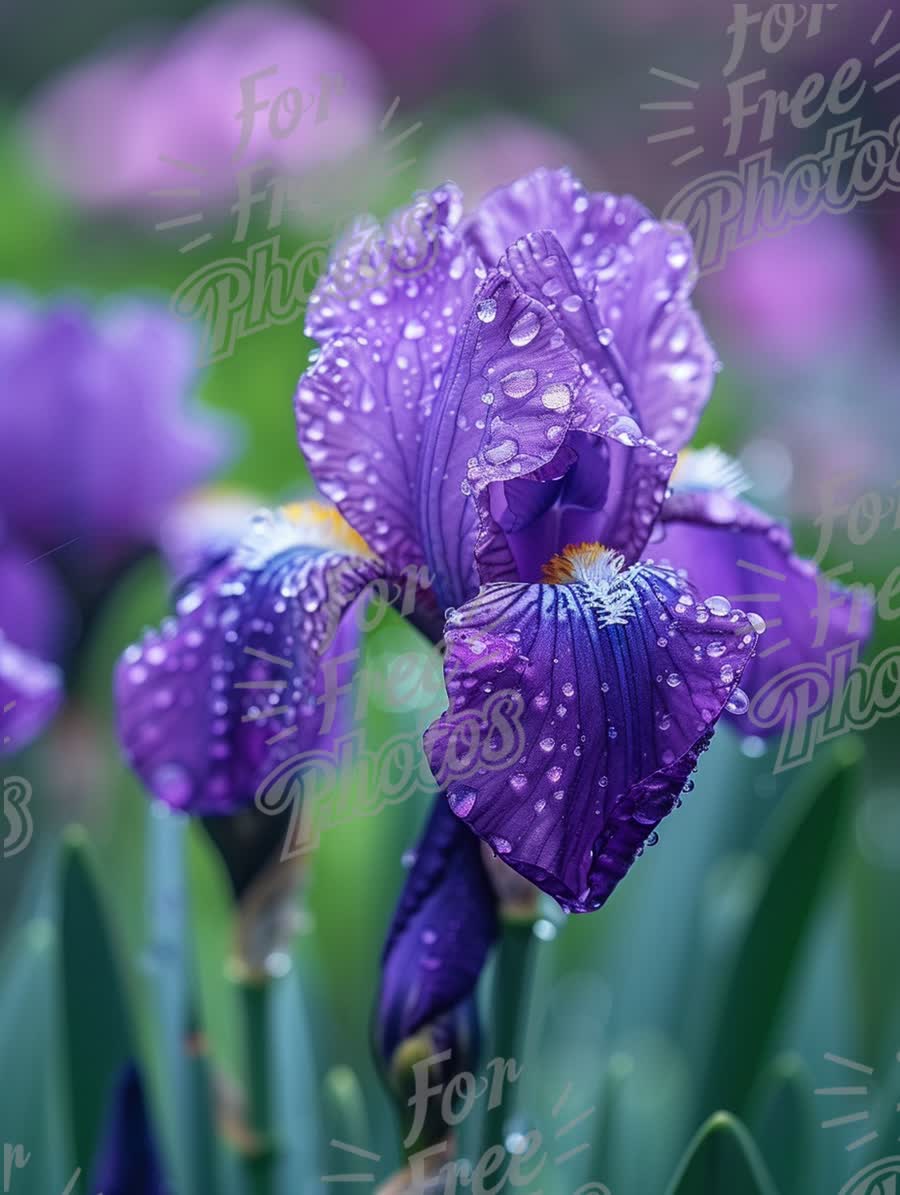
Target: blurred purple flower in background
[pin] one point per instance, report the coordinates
(96, 442)
(812, 292)
(417, 43)
(33, 617)
(109, 130)
(98, 439)
(496, 149)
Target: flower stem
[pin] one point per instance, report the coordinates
(512, 995)
(259, 1157)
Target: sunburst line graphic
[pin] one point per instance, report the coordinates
(190, 167)
(674, 106)
(560, 1159)
(886, 55)
(672, 134)
(881, 26)
(273, 685)
(671, 78)
(355, 1150)
(852, 1092)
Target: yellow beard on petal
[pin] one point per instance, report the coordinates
(323, 526)
(566, 567)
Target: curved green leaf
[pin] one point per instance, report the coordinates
(805, 840)
(722, 1160)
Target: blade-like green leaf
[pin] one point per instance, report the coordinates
(806, 838)
(34, 1136)
(722, 1160)
(212, 925)
(784, 1123)
(98, 1035)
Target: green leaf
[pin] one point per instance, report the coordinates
(212, 914)
(722, 1160)
(31, 1112)
(806, 837)
(785, 1120)
(98, 1036)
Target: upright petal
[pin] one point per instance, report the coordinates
(641, 300)
(730, 548)
(362, 405)
(503, 409)
(553, 199)
(637, 275)
(235, 684)
(621, 676)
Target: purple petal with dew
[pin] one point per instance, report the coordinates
(503, 409)
(617, 694)
(730, 548)
(444, 925)
(362, 406)
(584, 222)
(641, 302)
(234, 686)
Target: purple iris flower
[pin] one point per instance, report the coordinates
(114, 383)
(232, 688)
(508, 410)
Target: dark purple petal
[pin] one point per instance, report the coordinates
(30, 694)
(444, 925)
(620, 681)
(730, 548)
(361, 407)
(235, 685)
(128, 1161)
(117, 381)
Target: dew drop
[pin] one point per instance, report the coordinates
(524, 329)
(462, 800)
(487, 310)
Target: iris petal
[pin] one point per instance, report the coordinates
(729, 547)
(502, 412)
(362, 406)
(235, 685)
(620, 696)
(444, 925)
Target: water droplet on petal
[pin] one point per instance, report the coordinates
(524, 329)
(462, 800)
(487, 310)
